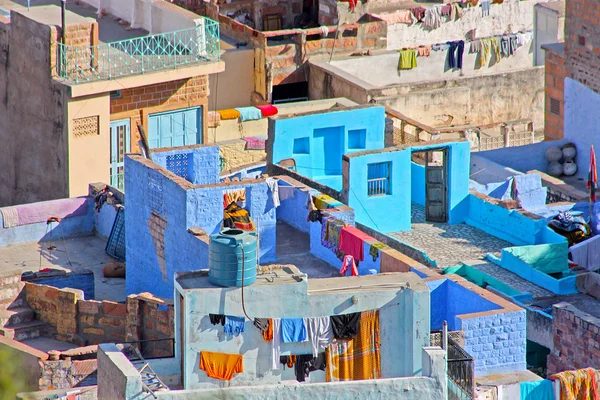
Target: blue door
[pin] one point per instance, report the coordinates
(175, 128)
(119, 146)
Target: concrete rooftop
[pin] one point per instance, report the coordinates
(85, 253)
(48, 12)
(583, 302)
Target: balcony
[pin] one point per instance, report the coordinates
(141, 55)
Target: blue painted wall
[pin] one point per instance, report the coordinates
(417, 185)
(202, 163)
(320, 251)
(81, 281)
(397, 203)
(449, 299)
(318, 141)
(182, 209)
(293, 211)
(581, 123)
(497, 342)
(82, 225)
(252, 172)
(105, 219)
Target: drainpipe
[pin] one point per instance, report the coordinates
(63, 17)
(445, 336)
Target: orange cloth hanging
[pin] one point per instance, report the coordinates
(359, 358)
(581, 384)
(268, 333)
(220, 365)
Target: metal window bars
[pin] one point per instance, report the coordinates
(378, 179)
(161, 51)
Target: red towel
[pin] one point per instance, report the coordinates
(268, 110)
(352, 242)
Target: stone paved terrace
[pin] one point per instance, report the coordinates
(452, 245)
(448, 245)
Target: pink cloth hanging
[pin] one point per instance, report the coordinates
(348, 262)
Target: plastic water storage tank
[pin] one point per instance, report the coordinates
(225, 258)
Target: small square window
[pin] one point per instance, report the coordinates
(581, 40)
(379, 178)
(554, 106)
(116, 94)
(357, 139)
(301, 146)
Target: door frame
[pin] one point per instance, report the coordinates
(114, 139)
(446, 200)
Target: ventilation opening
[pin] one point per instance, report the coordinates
(554, 106)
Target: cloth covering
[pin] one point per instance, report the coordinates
(249, 113)
(578, 385)
(236, 217)
(334, 228)
(323, 201)
(538, 390)
(213, 119)
(319, 333)
(433, 17)
(268, 110)
(398, 17)
(268, 333)
(40, 212)
(220, 365)
(286, 192)
(587, 254)
(255, 143)
(418, 13)
(235, 195)
(276, 343)
(345, 326)
(10, 217)
(306, 363)
(408, 59)
(234, 325)
(424, 51)
(351, 242)
(288, 360)
(261, 324)
(217, 319)
(293, 330)
(357, 359)
(229, 114)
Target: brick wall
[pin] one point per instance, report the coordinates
(66, 374)
(88, 322)
(575, 337)
(81, 38)
(582, 41)
(137, 103)
(554, 90)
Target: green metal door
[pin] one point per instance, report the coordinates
(119, 146)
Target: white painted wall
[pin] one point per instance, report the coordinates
(510, 16)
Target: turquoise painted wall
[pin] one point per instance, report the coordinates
(397, 204)
(318, 141)
(404, 327)
(417, 185)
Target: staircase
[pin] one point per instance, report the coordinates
(17, 319)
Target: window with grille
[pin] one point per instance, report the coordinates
(379, 179)
(180, 164)
(554, 106)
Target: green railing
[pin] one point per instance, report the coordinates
(141, 55)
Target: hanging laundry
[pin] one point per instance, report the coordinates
(496, 48)
(268, 333)
(261, 324)
(288, 361)
(485, 53)
(352, 242)
(276, 343)
(324, 224)
(220, 365)
(524, 37)
(345, 326)
(446, 10)
(418, 13)
(578, 385)
(249, 113)
(439, 47)
(334, 229)
(216, 319)
(456, 11)
(236, 217)
(213, 119)
(286, 192)
(357, 359)
(497, 1)
(348, 263)
(229, 114)
(408, 59)
(455, 54)
(315, 216)
(319, 333)
(433, 17)
(321, 201)
(293, 330)
(398, 17)
(234, 325)
(514, 45)
(274, 188)
(505, 46)
(352, 3)
(472, 3)
(475, 46)
(234, 195)
(485, 8)
(424, 51)
(255, 143)
(306, 363)
(537, 390)
(374, 250)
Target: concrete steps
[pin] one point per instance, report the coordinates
(17, 315)
(23, 331)
(11, 288)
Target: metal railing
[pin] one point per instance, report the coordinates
(141, 55)
(378, 179)
(461, 371)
